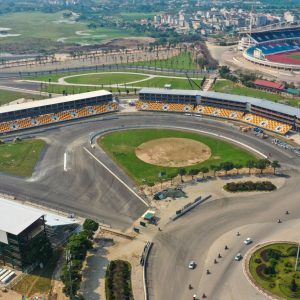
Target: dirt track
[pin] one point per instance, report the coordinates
(173, 152)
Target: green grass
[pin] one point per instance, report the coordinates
(105, 79)
(121, 147)
(183, 61)
(278, 283)
(295, 56)
(8, 96)
(21, 157)
(127, 16)
(39, 281)
(176, 83)
(41, 31)
(73, 89)
(226, 86)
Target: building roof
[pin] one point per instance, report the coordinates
(169, 91)
(16, 217)
(51, 101)
(269, 84)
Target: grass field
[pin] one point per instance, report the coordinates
(20, 158)
(159, 82)
(39, 281)
(39, 30)
(73, 89)
(183, 61)
(103, 78)
(225, 86)
(295, 56)
(121, 147)
(8, 96)
(272, 268)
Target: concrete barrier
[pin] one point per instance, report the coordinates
(189, 207)
(146, 253)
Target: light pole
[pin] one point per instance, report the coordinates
(296, 264)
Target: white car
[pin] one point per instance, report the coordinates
(247, 241)
(238, 257)
(192, 265)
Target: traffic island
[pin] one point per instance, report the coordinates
(273, 270)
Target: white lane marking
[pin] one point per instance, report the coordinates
(118, 178)
(65, 162)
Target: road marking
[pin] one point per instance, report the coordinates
(118, 178)
(65, 162)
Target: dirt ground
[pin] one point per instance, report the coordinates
(130, 42)
(168, 152)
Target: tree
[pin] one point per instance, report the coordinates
(215, 169)
(90, 226)
(262, 164)
(227, 166)
(293, 285)
(238, 167)
(250, 164)
(275, 165)
(182, 172)
(204, 170)
(193, 172)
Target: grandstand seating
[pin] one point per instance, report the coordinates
(217, 112)
(275, 35)
(53, 118)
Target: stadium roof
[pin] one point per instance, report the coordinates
(170, 91)
(51, 101)
(269, 84)
(16, 217)
(277, 107)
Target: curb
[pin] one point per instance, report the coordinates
(248, 274)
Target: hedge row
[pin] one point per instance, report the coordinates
(118, 281)
(247, 186)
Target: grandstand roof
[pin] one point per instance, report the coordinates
(51, 101)
(170, 91)
(16, 217)
(269, 84)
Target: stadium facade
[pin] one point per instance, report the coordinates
(275, 47)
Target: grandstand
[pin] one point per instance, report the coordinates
(271, 116)
(276, 48)
(44, 112)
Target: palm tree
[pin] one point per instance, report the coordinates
(238, 167)
(204, 170)
(250, 164)
(182, 172)
(275, 165)
(193, 172)
(227, 166)
(262, 164)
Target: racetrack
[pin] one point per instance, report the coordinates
(88, 189)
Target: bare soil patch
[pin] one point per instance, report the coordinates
(173, 152)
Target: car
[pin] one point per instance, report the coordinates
(247, 241)
(192, 265)
(238, 257)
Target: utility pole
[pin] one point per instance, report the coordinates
(296, 264)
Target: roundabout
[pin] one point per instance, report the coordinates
(87, 188)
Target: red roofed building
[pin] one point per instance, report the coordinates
(269, 85)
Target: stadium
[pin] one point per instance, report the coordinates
(273, 47)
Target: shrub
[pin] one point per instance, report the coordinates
(292, 251)
(258, 260)
(249, 186)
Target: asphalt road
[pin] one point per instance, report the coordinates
(88, 189)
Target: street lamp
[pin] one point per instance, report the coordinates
(296, 264)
